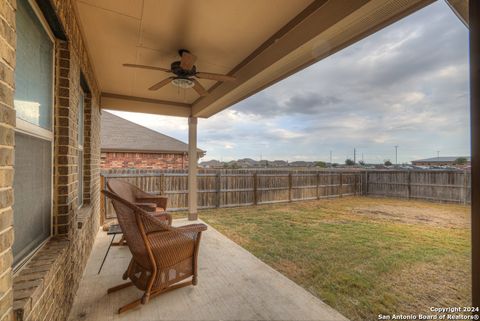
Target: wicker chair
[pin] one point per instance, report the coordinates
(154, 204)
(162, 255)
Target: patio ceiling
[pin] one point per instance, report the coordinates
(258, 42)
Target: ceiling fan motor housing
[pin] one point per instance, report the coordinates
(180, 72)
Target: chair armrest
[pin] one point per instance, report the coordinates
(165, 215)
(149, 207)
(192, 228)
(148, 198)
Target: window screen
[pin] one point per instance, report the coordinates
(33, 71)
(33, 187)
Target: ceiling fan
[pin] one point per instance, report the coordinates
(185, 73)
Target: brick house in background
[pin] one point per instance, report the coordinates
(126, 145)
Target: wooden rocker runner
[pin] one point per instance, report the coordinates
(162, 255)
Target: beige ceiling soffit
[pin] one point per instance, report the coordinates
(330, 28)
(460, 8)
(144, 105)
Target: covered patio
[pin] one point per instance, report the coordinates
(83, 47)
(233, 285)
(148, 37)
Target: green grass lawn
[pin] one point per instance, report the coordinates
(362, 256)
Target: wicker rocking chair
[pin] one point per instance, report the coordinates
(162, 255)
(154, 204)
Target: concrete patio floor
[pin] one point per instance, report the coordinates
(233, 285)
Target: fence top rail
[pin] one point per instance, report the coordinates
(267, 173)
(118, 175)
(406, 171)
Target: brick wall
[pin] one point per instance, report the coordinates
(45, 287)
(117, 160)
(7, 123)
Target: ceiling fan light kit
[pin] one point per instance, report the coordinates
(183, 82)
(184, 71)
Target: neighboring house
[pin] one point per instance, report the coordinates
(441, 161)
(128, 145)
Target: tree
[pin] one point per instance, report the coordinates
(320, 164)
(362, 163)
(388, 163)
(460, 161)
(350, 162)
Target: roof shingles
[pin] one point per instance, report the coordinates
(119, 134)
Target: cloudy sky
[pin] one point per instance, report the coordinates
(406, 85)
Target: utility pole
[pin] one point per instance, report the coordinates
(330, 157)
(438, 154)
(396, 154)
(362, 157)
(354, 155)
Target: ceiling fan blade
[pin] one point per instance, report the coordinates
(160, 84)
(187, 60)
(147, 67)
(218, 77)
(199, 88)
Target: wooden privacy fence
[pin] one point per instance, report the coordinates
(442, 186)
(232, 188)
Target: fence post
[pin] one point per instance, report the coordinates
(255, 187)
(366, 183)
(218, 183)
(409, 186)
(161, 184)
(289, 187)
(340, 187)
(465, 187)
(355, 184)
(318, 185)
(103, 213)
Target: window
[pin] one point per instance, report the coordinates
(80, 140)
(34, 134)
(34, 70)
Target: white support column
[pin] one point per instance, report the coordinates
(192, 168)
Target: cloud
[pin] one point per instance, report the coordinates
(300, 103)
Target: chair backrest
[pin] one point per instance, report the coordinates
(123, 189)
(129, 218)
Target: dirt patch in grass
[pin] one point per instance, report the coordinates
(363, 256)
(438, 217)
